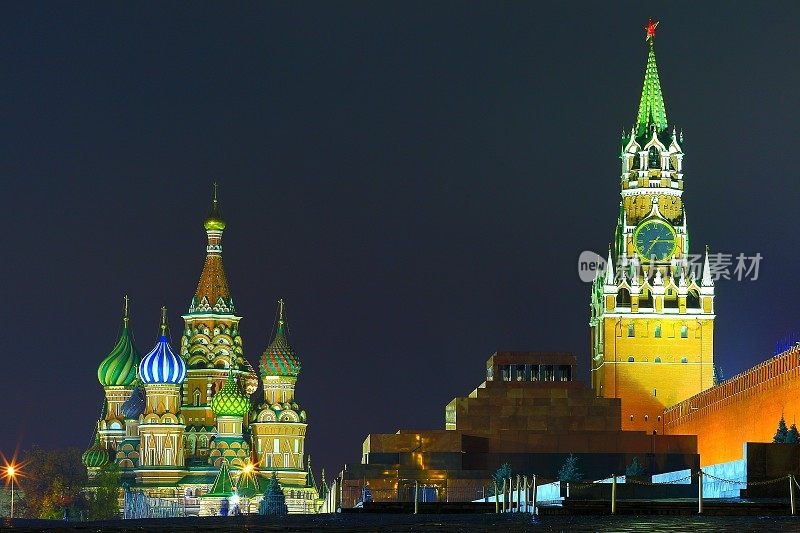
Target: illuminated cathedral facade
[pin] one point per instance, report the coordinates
(182, 424)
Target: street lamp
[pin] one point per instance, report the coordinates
(11, 472)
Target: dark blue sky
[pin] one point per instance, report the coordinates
(415, 179)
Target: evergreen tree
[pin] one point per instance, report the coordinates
(569, 471)
(783, 431)
(504, 472)
(104, 500)
(635, 468)
(792, 436)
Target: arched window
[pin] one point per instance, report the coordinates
(646, 299)
(693, 299)
(654, 158)
(630, 359)
(624, 298)
(657, 360)
(684, 359)
(684, 332)
(657, 335)
(197, 396)
(631, 330)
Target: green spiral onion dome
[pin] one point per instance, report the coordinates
(96, 456)
(230, 401)
(119, 368)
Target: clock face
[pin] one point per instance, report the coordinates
(655, 239)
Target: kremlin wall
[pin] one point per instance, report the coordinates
(744, 408)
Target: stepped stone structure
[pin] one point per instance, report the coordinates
(529, 413)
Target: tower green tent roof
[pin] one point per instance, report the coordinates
(248, 485)
(651, 107)
(223, 485)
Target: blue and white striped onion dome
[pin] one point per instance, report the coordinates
(161, 365)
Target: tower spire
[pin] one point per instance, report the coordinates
(651, 107)
(609, 278)
(163, 321)
(707, 281)
(212, 294)
(125, 317)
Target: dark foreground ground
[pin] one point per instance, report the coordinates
(436, 523)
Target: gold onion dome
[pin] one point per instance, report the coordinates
(279, 358)
(230, 401)
(214, 222)
(119, 368)
(96, 456)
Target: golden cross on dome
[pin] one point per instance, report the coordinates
(651, 30)
(125, 310)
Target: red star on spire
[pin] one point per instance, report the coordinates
(651, 30)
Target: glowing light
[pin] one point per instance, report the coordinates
(11, 471)
(248, 468)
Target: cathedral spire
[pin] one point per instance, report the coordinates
(212, 294)
(651, 108)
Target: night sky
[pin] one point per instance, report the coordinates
(415, 179)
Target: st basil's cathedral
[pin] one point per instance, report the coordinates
(183, 427)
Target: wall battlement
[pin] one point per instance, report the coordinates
(755, 380)
(744, 408)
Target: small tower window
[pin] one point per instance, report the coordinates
(631, 418)
(657, 360)
(630, 359)
(684, 332)
(197, 396)
(657, 335)
(654, 158)
(631, 330)
(684, 359)
(654, 395)
(645, 418)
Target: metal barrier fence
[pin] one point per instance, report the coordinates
(519, 494)
(425, 493)
(137, 504)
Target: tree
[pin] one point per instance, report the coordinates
(792, 436)
(634, 469)
(783, 431)
(502, 473)
(104, 499)
(53, 482)
(569, 471)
